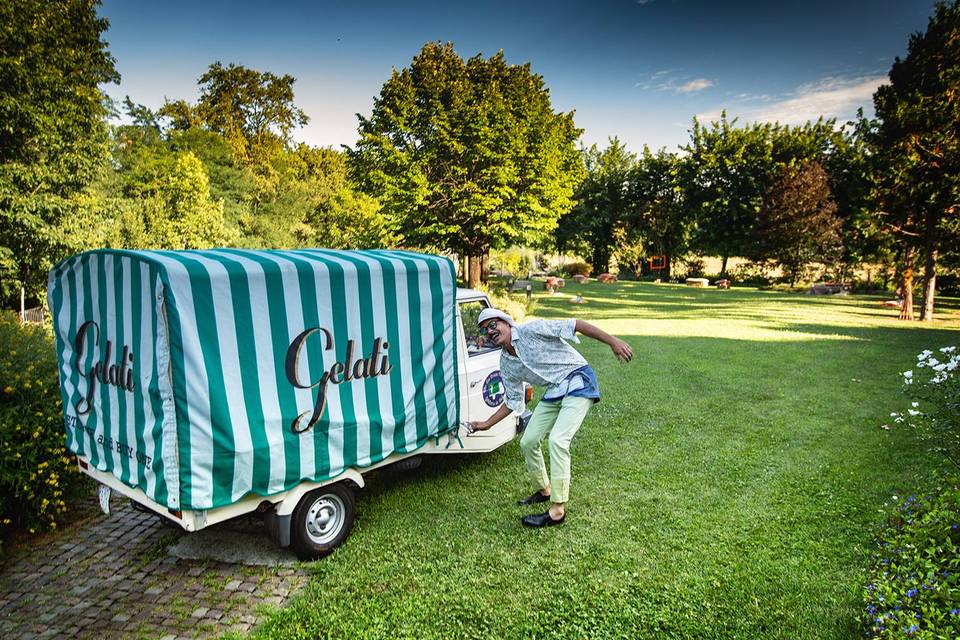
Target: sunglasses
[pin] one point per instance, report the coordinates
(487, 328)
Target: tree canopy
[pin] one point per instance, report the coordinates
(918, 143)
(53, 134)
(467, 155)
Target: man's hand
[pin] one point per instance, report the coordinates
(621, 349)
(471, 427)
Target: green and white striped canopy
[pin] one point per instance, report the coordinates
(203, 376)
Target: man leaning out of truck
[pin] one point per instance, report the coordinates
(537, 353)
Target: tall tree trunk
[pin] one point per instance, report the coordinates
(601, 260)
(474, 268)
(723, 266)
(906, 310)
(485, 266)
(930, 265)
(666, 266)
(929, 286)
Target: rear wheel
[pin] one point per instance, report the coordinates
(408, 464)
(322, 520)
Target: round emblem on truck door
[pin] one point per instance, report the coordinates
(493, 389)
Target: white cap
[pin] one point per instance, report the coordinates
(490, 312)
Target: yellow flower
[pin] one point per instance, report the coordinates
(8, 389)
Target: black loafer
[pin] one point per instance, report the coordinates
(542, 520)
(536, 498)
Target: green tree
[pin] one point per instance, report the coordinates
(850, 166)
(253, 110)
(53, 133)
(467, 155)
(731, 168)
(603, 204)
(919, 117)
(192, 219)
(798, 222)
(661, 215)
(339, 216)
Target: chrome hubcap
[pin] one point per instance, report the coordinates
(325, 519)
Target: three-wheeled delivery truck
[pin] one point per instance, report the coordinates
(209, 384)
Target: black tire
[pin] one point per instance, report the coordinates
(322, 520)
(408, 464)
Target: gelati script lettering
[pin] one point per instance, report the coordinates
(103, 370)
(376, 364)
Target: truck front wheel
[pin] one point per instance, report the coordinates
(322, 520)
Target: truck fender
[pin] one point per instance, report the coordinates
(286, 506)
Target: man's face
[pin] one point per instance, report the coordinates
(497, 332)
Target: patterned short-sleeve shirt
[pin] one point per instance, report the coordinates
(543, 357)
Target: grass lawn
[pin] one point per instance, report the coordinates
(727, 486)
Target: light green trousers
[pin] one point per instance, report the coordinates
(561, 420)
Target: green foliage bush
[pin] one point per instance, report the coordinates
(751, 273)
(513, 303)
(913, 589)
(38, 476)
(577, 269)
(515, 260)
(693, 267)
(933, 386)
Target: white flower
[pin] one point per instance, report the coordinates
(907, 374)
(913, 412)
(948, 350)
(895, 498)
(898, 419)
(924, 354)
(914, 404)
(952, 364)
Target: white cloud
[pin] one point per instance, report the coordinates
(832, 97)
(698, 84)
(667, 80)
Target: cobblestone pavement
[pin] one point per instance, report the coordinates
(113, 577)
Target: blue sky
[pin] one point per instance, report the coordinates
(637, 69)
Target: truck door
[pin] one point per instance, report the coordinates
(484, 388)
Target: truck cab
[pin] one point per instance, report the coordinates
(481, 387)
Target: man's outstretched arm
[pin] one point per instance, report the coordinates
(620, 349)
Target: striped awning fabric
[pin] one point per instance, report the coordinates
(203, 376)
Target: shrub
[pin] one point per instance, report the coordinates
(577, 269)
(517, 261)
(913, 588)
(874, 285)
(38, 476)
(934, 388)
(514, 304)
(751, 273)
(693, 267)
(948, 284)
